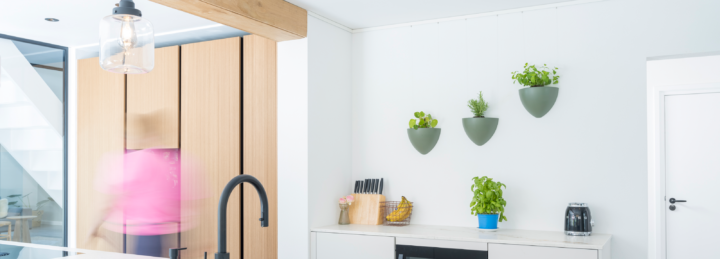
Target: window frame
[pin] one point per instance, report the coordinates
(65, 124)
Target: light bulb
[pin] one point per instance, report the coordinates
(127, 43)
(128, 37)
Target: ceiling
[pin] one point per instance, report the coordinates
(371, 13)
(79, 22)
(79, 19)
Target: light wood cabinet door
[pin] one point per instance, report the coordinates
(153, 103)
(334, 246)
(259, 96)
(499, 251)
(100, 137)
(210, 143)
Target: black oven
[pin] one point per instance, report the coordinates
(439, 249)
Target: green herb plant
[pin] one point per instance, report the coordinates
(21, 200)
(422, 121)
(536, 76)
(479, 106)
(24, 201)
(44, 203)
(487, 197)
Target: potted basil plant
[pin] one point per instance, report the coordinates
(538, 98)
(478, 128)
(488, 203)
(422, 132)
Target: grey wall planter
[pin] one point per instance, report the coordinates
(480, 130)
(424, 140)
(538, 100)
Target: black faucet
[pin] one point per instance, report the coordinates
(222, 214)
(222, 210)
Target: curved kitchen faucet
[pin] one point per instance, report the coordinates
(222, 210)
(222, 214)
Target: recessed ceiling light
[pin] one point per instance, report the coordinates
(52, 20)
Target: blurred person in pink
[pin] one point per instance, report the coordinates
(143, 195)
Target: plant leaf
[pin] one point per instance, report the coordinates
(487, 197)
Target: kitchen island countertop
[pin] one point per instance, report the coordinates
(36, 251)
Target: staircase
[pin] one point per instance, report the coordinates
(31, 121)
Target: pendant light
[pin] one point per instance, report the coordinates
(127, 41)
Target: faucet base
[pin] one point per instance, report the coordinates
(222, 256)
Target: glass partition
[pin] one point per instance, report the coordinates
(33, 171)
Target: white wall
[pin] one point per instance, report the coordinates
(591, 147)
(329, 120)
(292, 148)
(313, 133)
(53, 79)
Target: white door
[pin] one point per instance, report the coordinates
(692, 174)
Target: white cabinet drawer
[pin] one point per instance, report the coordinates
(335, 246)
(499, 251)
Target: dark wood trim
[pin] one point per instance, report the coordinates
(47, 67)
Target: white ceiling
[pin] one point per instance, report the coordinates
(371, 13)
(79, 22)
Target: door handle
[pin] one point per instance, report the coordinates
(673, 200)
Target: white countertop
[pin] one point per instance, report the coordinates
(85, 253)
(106, 255)
(502, 236)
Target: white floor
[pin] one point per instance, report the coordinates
(47, 235)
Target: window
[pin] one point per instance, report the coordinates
(33, 143)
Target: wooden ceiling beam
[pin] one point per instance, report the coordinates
(273, 19)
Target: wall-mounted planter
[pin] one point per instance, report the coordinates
(480, 130)
(424, 140)
(538, 100)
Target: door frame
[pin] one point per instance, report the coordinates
(656, 159)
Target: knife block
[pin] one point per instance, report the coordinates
(366, 209)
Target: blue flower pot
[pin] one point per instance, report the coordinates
(488, 221)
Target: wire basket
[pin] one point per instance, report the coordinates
(388, 207)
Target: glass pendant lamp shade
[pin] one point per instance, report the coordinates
(127, 41)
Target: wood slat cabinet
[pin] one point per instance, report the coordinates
(217, 102)
(260, 143)
(100, 138)
(153, 103)
(210, 141)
